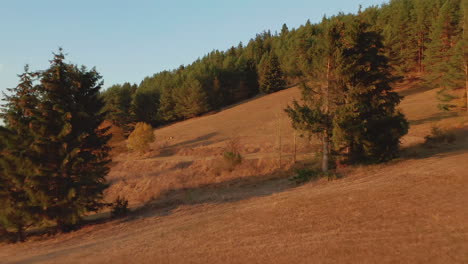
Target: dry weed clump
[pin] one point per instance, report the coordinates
(439, 136)
(119, 207)
(231, 156)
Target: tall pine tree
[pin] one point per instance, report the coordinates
(271, 76)
(66, 151)
(19, 207)
(350, 102)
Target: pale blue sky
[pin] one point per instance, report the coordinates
(129, 40)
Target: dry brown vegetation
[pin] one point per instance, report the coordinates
(411, 210)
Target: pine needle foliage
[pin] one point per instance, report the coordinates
(57, 151)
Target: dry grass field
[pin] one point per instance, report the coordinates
(411, 210)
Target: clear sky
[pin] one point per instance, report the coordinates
(129, 40)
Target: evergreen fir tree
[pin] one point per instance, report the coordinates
(351, 102)
(443, 37)
(321, 64)
(67, 153)
(367, 123)
(271, 78)
(19, 207)
(190, 100)
(167, 106)
(118, 103)
(145, 106)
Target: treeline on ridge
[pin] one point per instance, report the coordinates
(424, 36)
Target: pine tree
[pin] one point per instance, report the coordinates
(440, 51)
(145, 106)
(321, 62)
(464, 49)
(19, 207)
(271, 77)
(400, 42)
(350, 102)
(421, 29)
(190, 100)
(367, 123)
(118, 103)
(167, 106)
(67, 151)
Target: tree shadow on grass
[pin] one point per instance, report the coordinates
(440, 149)
(433, 118)
(415, 88)
(193, 143)
(215, 193)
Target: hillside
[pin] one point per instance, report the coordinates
(409, 210)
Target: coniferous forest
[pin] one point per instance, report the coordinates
(54, 153)
(419, 37)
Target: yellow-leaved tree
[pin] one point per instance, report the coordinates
(141, 137)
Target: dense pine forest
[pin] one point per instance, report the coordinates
(423, 38)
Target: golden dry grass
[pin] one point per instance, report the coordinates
(411, 210)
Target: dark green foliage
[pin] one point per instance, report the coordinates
(18, 210)
(443, 60)
(190, 100)
(145, 106)
(118, 102)
(305, 175)
(271, 77)
(418, 35)
(120, 207)
(232, 158)
(57, 145)
(19, 206)
(367, 121)
(356, 108)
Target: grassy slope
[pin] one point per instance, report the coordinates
(410, 210)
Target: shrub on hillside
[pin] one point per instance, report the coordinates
(439, 136)
(305, 175)
(232, 159)
(119, 207)
(140, 138)
(231, 156)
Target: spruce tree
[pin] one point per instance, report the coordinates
(321, 62)
(145, 106)
(441, 49)
(72, 147)
(271, 77)
(367, 124)
(349, 101)
(66, 151)
(19, 207)
(190, 99)
(167, 105)
(118, 103)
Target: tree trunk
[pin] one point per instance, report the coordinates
(20, 237)
(326, 152)
(420, 51)
(466, 84)
(326, 138)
